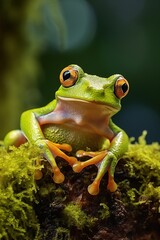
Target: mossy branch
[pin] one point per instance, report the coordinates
(45, 210)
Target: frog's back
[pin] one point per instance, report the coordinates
(77, 138)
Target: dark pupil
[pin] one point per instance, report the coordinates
(66, 75)
(124, 87)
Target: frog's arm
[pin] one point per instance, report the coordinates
(30, 124)
(31, 127)
(119, 143)
(106, 160)
(118, 146)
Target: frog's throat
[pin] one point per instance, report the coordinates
(87, 116)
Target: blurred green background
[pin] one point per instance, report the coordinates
(38, 38)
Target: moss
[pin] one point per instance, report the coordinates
(142, 164)
(62, 234)
(76, 217)
(104, 212)
(67, 211)
(17, 193)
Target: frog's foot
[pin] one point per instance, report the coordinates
(105, 161)
(56, 148)
(58, 176)
(52, 150)
(112, 185)
(93, 188)
(56, 151)
(96, 157)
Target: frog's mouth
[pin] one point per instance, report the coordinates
(87, 106)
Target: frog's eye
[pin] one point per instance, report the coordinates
(121, 87)
(68, 76)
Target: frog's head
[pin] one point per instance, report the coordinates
(82, 87)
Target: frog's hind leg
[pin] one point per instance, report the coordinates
(14, 138)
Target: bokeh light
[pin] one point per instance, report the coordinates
(73, 26)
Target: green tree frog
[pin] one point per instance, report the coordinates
(78, 121)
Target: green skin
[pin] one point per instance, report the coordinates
(80, 116)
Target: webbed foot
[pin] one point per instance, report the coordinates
(51, 151)
(56, 151)
(105, 161)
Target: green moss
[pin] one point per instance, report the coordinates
(62, 233)
(76, 217)
(104, 212)
(142, 163)
(58, 211)
(17, 189)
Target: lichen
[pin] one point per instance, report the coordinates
(17, 193)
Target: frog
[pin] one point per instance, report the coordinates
(78, 124)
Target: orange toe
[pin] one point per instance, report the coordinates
(112, 186)
(77, 167)
(93, 188)
(58, 177)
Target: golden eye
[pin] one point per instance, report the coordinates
(121, 87)
(68, 76)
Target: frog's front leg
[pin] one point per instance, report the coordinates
(105, 160)
(31, 127)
